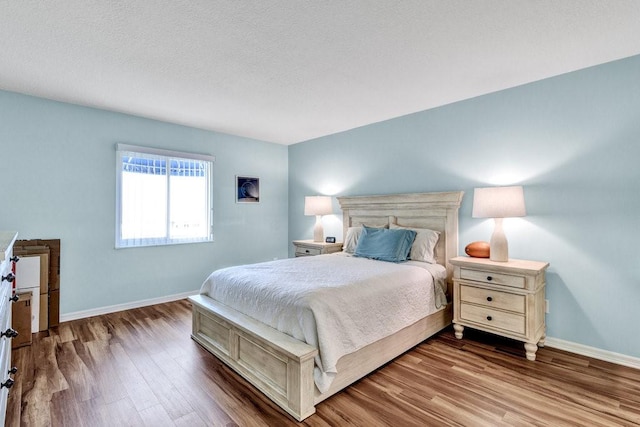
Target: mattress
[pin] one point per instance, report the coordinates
(336, 303)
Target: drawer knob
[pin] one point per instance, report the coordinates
(9, 278)
(14, 298)
(489, 299)
(307, 250)
(489, 278)
(489, 318)
(9, 333)
(14, 258)
(8, 383)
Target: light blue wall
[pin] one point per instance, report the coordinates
(58, 181)
(572, 141)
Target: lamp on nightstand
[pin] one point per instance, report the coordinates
(318, 206)
(498, 203)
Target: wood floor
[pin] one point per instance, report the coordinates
(140, 367)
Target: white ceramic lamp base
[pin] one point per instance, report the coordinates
(499, 250)
(318, 232)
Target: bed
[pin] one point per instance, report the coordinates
(281, 366)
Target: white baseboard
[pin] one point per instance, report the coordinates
(596, 353)
(127, 306)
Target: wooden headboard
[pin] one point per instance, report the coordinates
(435, 211)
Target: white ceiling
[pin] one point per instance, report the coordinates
(286, 71)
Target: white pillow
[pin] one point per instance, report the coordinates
(351, 239)
(424, 245)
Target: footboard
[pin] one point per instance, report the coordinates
(277, 364)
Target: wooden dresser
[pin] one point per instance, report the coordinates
(7, 239)
(504, 298)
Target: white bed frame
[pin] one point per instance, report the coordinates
(281, 366)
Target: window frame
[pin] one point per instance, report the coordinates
(168, 154)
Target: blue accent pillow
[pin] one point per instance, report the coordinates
(384, 244)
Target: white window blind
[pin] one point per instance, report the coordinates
(162, 197)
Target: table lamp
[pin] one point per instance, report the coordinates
(498, 203)
(318, 206)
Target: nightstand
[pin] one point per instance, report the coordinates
(309, 247)
(504, 298)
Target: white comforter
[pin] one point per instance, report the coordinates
(336, 303)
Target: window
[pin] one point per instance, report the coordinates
(162, 197)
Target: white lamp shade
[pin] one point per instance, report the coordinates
(317, 205)
(498, 202)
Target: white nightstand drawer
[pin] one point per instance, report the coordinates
(510, 322)
(306, 251)
(492, 298)
(493, 278)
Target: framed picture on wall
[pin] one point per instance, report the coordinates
(247, 189)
